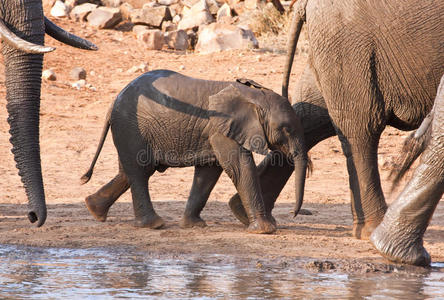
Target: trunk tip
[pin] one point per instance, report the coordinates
(86, 177)
(32, 216)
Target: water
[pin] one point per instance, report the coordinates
(50, 273)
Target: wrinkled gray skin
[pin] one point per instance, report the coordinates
(164, 119)
(399, 237)
(22, 30)
(376, 63)
(311, 110)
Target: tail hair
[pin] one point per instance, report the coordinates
(413, 147)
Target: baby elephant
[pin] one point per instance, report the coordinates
(164, 119)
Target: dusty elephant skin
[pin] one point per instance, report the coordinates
(400, 235)
(364, 59)
(22, 28)
(164, 119)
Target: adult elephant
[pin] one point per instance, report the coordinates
(399, 237)
(22, 29)
(375, 63)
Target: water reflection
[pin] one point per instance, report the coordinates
(28, 272)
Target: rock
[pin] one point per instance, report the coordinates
(218, 37)
(143, 67)
(112, 3)
(232, 3)
(78, 73)
(189, 3)
(152, 39)
(224, 11)
(136, 3)
(49, 75)
(168, 26)
(80, 12)
(251, 4)
(125, 10)
(152, 16)
(225, 20)
(213, 6)
(104, 17)
(59, 9)
(176, 19)
(177, 40)
(167, 2)
(79, 84)
(198, 15)
(138, 29)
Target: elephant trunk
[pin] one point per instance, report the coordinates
(300, 171)
(302, 166)
(293, 37)
(23, 81)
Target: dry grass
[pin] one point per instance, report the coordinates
(269, 21)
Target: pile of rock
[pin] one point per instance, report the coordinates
(202, 25)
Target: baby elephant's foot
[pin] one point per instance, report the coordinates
(98, 206)
(189, 222)
(261, 225)
(153, 221)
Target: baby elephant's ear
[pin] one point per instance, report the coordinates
(236, 117)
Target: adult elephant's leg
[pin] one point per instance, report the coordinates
(205, 178)
(100, 202)
(400, 235)
(239, 164)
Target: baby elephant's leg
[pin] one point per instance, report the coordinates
(205, 177)
(99, 203)
(238, 163)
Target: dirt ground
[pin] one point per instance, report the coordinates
(71, 122)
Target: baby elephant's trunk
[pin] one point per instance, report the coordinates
(301, 163)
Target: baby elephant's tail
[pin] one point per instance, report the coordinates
(87, 176)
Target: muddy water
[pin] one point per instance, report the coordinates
(49, 273)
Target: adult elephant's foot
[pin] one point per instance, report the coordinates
(190, 222)
(363, 229)
(238, 209)
(400, 245)
(153, 221)
(98, 206)
(239, 212)
(261, 225)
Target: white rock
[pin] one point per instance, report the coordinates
(80, 12)
(218, 37)
(152, 39)
(79, 84)
(199, 14)
(224, 11)
(49, 75)
(177, 39)
(143, 67)
(59, 9)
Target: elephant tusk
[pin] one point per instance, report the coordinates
(67, 38)
(13, 40)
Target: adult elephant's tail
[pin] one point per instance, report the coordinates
(293, 37)
(87, 176)
(414, 146)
